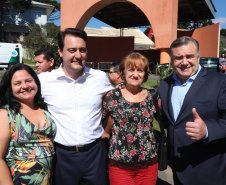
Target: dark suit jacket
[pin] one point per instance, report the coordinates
(198, 162)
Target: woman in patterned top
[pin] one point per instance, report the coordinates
(27, 129)
(132, 153)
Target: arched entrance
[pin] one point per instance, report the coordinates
(162, 15)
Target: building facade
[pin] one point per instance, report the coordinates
(17, 19)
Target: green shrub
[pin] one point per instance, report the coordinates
(150, 84)
(163, 72)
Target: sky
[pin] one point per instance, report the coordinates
(220, 16)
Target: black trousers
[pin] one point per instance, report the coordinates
(80, 168)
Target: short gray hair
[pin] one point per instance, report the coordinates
(183, 41)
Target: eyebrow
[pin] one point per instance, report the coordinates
(188, 55)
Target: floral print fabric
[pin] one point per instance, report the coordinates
(30, 151)
(133, 141)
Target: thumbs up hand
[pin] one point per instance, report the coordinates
(196, 130)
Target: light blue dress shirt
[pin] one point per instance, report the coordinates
(179, 92)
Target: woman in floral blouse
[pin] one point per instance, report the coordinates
(132, 153)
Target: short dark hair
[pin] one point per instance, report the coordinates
(115, 65)
(6, 95)
(48, 54)
(133, 59)
(183, 41)
(70, 31)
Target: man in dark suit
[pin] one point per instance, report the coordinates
(194, 111)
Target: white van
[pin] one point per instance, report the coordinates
(10, 53)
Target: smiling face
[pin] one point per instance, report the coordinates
(134, 74)
(74, 56)
(43, 65)
(185, 61)
(23, 86)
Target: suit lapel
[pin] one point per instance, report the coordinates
(196, 85)
(166, 98)
(170, 107)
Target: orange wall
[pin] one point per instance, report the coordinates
(162, 15)
(208, 38)
(108, 49)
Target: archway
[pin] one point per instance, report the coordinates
(161, 14)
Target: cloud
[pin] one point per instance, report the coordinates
(222, 20)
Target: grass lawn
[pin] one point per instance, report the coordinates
(30, 63)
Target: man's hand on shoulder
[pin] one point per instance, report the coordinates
(121, 86)
(196, 130)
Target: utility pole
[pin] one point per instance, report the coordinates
(121, 32)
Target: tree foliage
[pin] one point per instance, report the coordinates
(191, 25)
(42, 37)
(223, 32)
(222, 46)
(222, 38)
(19, 3)
(52, 30)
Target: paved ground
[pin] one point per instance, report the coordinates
(165, 177)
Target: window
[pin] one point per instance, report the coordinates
(37, 15)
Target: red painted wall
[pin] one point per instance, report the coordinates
(114, 49)
(153, 55)
(108, 49)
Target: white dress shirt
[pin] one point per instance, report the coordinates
(76, 105)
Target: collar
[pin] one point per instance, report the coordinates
(60, 72)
